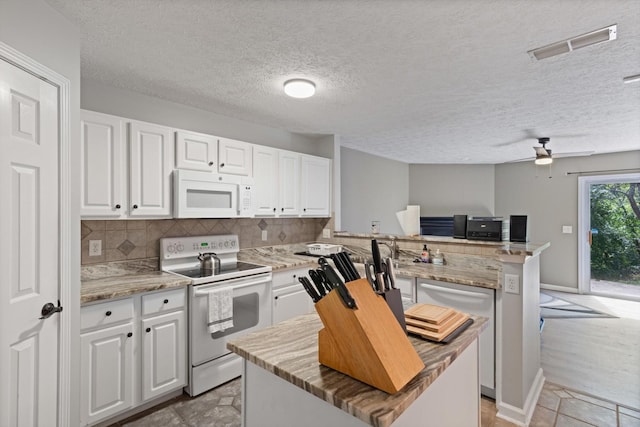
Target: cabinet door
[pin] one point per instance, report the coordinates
(265, 174)
(290, 302)
(102, 165)
(106, 386)
(407, 286)
(289, 177)
(151, 162)
(163, 354)
(235, 157)
(196, 151)
(316, 186)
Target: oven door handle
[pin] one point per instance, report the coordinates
(200, 291)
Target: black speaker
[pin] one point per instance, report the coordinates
(459, 226)
(518, 228)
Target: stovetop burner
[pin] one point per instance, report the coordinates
(240, 266)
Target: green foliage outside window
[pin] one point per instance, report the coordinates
(615, 221)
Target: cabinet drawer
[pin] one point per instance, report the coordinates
(106, 313)
(163, 301)
(289, 277)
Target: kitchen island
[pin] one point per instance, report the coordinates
(284, 385)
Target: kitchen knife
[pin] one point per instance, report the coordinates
(350, 266)
(333, 277)
(325, 281)
(317, 280)
(385, 276)
(375, 253)
(367, 272)
(391, 273)
(342, 269)
(306, 284)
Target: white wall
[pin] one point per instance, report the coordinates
(373, 189)
(446, 190)
(36, 30)
(120, 102)
(550, 203)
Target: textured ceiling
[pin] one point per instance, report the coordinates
(417, 81)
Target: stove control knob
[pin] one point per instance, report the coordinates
(214, 245)
(226, 244)
(171, 248)
(233, 243)
(180, 247)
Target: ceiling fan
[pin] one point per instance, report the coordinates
(544, 156)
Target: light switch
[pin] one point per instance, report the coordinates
(264, 235)
(567, 229)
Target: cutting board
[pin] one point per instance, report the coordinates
(444, 333)
(430, 313)
(434, 327)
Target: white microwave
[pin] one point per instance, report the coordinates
(208, 195)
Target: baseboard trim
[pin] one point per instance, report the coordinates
(522, 416)
(559, 288)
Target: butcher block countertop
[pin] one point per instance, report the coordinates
(289, 350)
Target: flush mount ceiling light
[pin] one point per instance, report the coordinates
(602, 35)
(299, 88)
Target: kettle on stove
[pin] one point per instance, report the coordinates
(209, 264)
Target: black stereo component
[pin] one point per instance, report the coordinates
(484, 229)
(518, 229)
(459, 226)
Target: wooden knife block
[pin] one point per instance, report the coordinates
(366, 343)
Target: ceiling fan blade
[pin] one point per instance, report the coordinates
(574, 154)
(541, 151)
(528, 159)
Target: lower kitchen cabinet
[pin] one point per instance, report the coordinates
(132, 351)
(289, 297)
(407, 286)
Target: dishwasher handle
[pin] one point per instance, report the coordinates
(454, 291)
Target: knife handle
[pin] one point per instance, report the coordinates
(391, 273)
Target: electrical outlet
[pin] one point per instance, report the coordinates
(264, 235)
(326, 233)
(512, 283)
(95, 247)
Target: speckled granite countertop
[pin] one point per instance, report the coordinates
(290, 351)
(121, 279)
(463, 269)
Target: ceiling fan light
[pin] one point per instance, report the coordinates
(299, 88)
(543, 160)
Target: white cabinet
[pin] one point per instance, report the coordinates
(289, 297)
(109, 188)
(196, 151)
(163, 354)
(315, 186)
(235, 157)
(265, 174)
(473, 300)
(132, 351)
(289, 179)
(151, 162)
(103, 166)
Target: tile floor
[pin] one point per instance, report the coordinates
(557, 407)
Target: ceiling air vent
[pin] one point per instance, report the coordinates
(603, 35)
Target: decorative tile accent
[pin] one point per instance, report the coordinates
(84, 231)
(282, 236)
(262, 224)
(126, 247)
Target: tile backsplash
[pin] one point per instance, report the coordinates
(139, 239)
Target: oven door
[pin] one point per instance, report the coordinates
(251, 311)
(204, 195)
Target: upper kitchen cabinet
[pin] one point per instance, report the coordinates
(110, 189)
(289, 187)
(315, 186)
(196, 151)
(103, 166)
(151, 158)
(265, 174)
(235, 157)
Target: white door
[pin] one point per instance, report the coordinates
(29, 142)
(196, 151)
(151, 157)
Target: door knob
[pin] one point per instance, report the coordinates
(49, 309)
